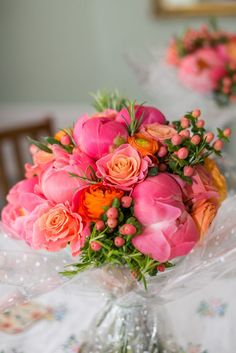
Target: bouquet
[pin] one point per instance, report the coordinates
(130, 195)
(205, 60)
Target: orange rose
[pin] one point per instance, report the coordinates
(158, 132)
(218, 179)
(231, 49)
(143, 144)
(90, 201)
(203, 213)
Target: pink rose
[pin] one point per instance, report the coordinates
(57, 185)
(202, 70)
(123, 168)
(169, 231)
(148, 114)
(56, 227)
(96, 135)
(158, 132)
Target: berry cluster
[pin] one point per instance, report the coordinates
(225, 91)
(190, 145)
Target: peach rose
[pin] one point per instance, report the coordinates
(218, 180)
(56, 227)
(158, 132)
(203, 213)
(143, 144)
(90, 201)
(123, 168)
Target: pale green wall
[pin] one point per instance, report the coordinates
(58, 50)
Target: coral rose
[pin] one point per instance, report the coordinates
(143, 144)
(41, 160)
(158, 132)
(56, 228)
(202, 187)
(203, 213)
(218, 179)
(123, 168)
(169, 231)
(90, 201)
(98, 134)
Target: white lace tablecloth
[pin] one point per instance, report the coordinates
(203, 322)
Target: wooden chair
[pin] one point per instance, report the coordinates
(15, 138)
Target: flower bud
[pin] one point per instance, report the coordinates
(188, 171)
(209, 136)
(196, 139)
(119, 241)
(128, 229)
(196, 113)
(185, 133)
(182, 153)
(218, 145)
(162, 151)
(126, 201)
(112, 213)
(95, 246)
(227, 132)
(65, 140)
(176, 139)
(184, 123)
(100, 225)
(200, 123)
(112, 222)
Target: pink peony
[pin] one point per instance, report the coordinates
(22, 200)
(56, 184)
(55, 227)
(98, 134)
(123, 168)
(169, 231)
(148, 114)
(202, 70)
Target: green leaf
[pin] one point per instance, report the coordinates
(116, 202)
(153, 171)
(40, 145)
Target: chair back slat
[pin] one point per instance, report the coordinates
(14, 137)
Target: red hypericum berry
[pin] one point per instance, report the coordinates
(126, 201)
(209, 136)
(65, 140)
(112, 212)
(227, 81)
(119, 241)
(188, 171)
(200, 123)
(112, 222)
(128, 229)
(196, 113)
(162, 151)
(195, 139)
(161, 268)
(184, 122)
(182, 153)
(185, 133)
(227, 132)
(95, 246)
(176, 139)
(162, 167)
(100, 225)
(218, 145)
